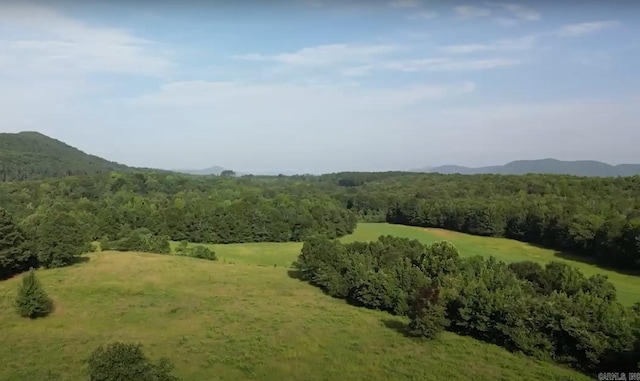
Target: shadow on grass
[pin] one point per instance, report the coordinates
(80, 260)
(76, 260)
(397, 326)
(295, 274)
(590, 261)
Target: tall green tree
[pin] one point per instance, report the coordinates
(60, 240)
(32, 301)
(15, 256)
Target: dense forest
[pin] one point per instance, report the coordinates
(109, 207)
(596, 218)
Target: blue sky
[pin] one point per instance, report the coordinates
(321, 86)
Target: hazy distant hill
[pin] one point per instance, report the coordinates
(551, 166)
(215, 170)
(33, 156)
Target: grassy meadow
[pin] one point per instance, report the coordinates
(283, 254)
(244, 317)
(221, 321)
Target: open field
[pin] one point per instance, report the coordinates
(218, 321)
(283, 254)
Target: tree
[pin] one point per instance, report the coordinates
(227, 173)
(32, 301)
(124, 361)
(60, 239)
(427, 313)
(14, 254)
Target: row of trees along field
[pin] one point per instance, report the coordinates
(552, 313)
(597, 218)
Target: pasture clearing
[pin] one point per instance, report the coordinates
(218, 321)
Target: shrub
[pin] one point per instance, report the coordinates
(123, 361)
(203, 253)
(32, 301)
(142, 240)
(182, 247)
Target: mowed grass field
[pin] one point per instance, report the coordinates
(283, 254)
(222, 321)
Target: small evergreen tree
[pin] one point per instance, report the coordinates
(32, 301)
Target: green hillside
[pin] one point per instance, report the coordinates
(33, 156)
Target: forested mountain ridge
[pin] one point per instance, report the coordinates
(31, 156)
(543, 166)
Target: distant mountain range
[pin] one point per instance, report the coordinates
(543, 166)
(215, 170)
(34, 156)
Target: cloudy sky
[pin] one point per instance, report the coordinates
(321, 85)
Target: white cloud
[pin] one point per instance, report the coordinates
(580, 29)
(324, 55)
(404, 4)
(263, 96)
(448, 64)
(519, 44)
(358, 71)
(423, 15)
(522, 12)
(505, 21)
(57, 43)
(469, 12)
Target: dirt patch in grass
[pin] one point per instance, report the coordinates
(440, 232)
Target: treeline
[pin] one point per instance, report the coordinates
(552, 313)
(54, 239)
(206, 210)
(143, 211)
(597, 218)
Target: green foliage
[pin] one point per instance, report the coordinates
(32, 301)
(15, 255)
(124, 361)
(142, 240)
(31, 155)
(428, 313)
(203, 253)
(59, 239)
(197, 251)
(552, 312)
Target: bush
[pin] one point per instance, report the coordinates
(122, 361)
(32, 301)
(182, 247)
(203, 253)
(142, 240)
